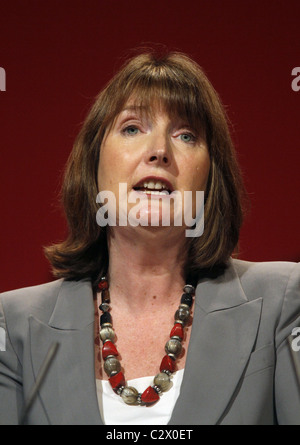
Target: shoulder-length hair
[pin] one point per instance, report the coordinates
(183, 88)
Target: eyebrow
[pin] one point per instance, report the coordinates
(134, 108)
(139, 108)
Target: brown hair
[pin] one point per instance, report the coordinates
(182, 87)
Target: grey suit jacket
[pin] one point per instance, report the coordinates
(239, 367)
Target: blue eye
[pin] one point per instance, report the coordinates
(187, 137)
(131, 130)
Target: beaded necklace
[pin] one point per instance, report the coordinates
(173, 348)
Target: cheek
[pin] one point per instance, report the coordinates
(105, 169)
(199, 174)
(202, 176)
(101, 175)
(115, 166)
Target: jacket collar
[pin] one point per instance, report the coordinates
(223, 292)
(68, 395)
(74, 306)
(224, 332)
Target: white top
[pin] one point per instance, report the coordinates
(115, 412)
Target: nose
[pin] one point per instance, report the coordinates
(160, 151)
(159, 158)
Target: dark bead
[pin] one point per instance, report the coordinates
(105, 298)
(105, 318)
(187, 299)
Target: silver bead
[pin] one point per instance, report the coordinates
(107, 333)
(172, 356)
(104, 307)
(106, 325)
(176, 337)
(157, 389)
(120, 390)
(173, 346)
(112, 365)
(182, 313)
(163, 381)
(189, 289)
(130, 395)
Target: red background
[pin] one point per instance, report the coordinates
(58, 54)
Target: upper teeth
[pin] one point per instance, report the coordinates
(157, 185)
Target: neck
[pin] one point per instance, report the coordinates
(145, 267)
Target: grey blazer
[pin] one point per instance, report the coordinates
(239, 367)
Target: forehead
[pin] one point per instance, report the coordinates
(152, 110)
(146, 95)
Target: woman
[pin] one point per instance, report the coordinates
(153, 326)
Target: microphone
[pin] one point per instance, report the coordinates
(39, 380)
(295, 358)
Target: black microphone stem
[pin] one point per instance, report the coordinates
(39, 380)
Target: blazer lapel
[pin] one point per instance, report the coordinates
(68, 394)
(223, 335)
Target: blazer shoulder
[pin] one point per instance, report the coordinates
(267, 273)
(273, 281)
(37, 300)
(278, 284)
(265, 269)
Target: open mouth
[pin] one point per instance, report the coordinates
(154, 187)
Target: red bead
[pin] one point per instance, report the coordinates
(149, 395)
(167, 364)
(117, 380)
(177, 331)
(103, 285)
(109, 349)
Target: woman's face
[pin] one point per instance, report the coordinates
(154, 155)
